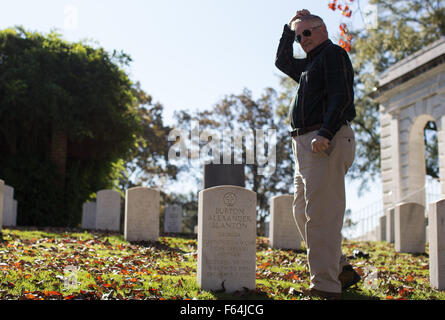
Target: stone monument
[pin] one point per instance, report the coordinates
(390, 225)
(409, 228)
(226, 238)
(283, 233)
(436, 222)
(89, 215)
(2, 185)
(223, 174)
(8, 206)
(173, 218)
(108, 210)
(142, 206)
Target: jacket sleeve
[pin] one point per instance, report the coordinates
(339, 82)
(285, 60)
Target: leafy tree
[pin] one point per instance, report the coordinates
(148, 162)
(239, 114)
(68, 121)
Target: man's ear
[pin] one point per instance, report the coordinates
(324, 29)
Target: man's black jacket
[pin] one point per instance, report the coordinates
(326, 78)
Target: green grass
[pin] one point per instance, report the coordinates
(33, 266)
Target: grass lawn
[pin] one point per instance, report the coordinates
(35, 264)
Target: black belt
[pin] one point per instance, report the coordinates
(300, 131)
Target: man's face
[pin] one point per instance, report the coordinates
(318, 34)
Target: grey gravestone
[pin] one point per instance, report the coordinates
(89, 215)
(108, 210)
(173, 218)
(436, 222)
(223, 174)
(382, 228)
(283, 233)
(409, 228)
(2, 184)
(226, 238)
(266, 229)
(8, 206)
(142, 206)
(390, 225)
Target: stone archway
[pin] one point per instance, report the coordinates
(411, 93)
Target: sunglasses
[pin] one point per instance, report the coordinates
(306, 33)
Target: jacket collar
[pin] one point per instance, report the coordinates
(314, 52)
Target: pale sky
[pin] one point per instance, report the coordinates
(186, 54)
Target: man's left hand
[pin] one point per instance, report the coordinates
(319, 144)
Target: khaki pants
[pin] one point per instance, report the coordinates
(319, 204)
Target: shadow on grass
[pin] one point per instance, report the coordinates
(157, 245)
(241, 295)
(357, 294)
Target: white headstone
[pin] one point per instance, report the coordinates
(266, 229)
(2, 184)
(382, 228)
(226, 238)
(142, 214)
(409, 228)
(14, 213)
(8, 206)
(390, 225)
(173, 218)
(283, 232)
(108, 209)
(436, 222)
(89, 215)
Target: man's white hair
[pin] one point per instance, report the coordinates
(311, 17)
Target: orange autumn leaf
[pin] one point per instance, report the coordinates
(409, 278)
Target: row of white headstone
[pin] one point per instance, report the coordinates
(226, 229)
(142, 209)
(8, 207)
(405, 226)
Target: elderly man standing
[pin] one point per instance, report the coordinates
(323, 145)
